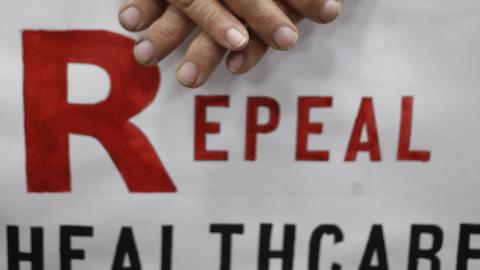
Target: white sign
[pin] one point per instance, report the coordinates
(358, 149)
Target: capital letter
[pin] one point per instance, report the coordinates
(286, 254)
(49, 118)
(167, 247)
(315, 241)
(67, 254)
(430, 254)
(126, 246)
(465, 251)
(305, 127)
(253, 127)
(375, 245)
(15, 256)
(226, 231)
(404, 152)
(202, 127)
(365, 118)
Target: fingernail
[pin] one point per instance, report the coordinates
(130, 18)
(329, 11)
(235, 63)
(144, 51)
(236, 38)
(187, 73)
(285, 37)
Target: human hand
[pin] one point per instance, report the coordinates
(271, 23)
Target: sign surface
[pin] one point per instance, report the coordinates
(358, 149)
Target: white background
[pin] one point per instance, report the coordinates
(383, 49)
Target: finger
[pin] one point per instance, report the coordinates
(267, 20)
(201, 59)
(243, 61)
(162, 37)
(292, 14)
(136, 15)
(321, 11)
(216, 20)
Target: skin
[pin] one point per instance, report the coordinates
(167, 24)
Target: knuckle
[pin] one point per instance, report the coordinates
(261, 17)
(183, 3)
(212, 17)
(165, 31)
(206, 48)
(210, 14)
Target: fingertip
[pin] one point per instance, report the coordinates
(236, 63)
(237, 39)
(285, 38)
(130, 18)
(329, 11)
(187, 74)
(144, 53)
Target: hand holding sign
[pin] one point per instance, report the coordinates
(270, 24)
